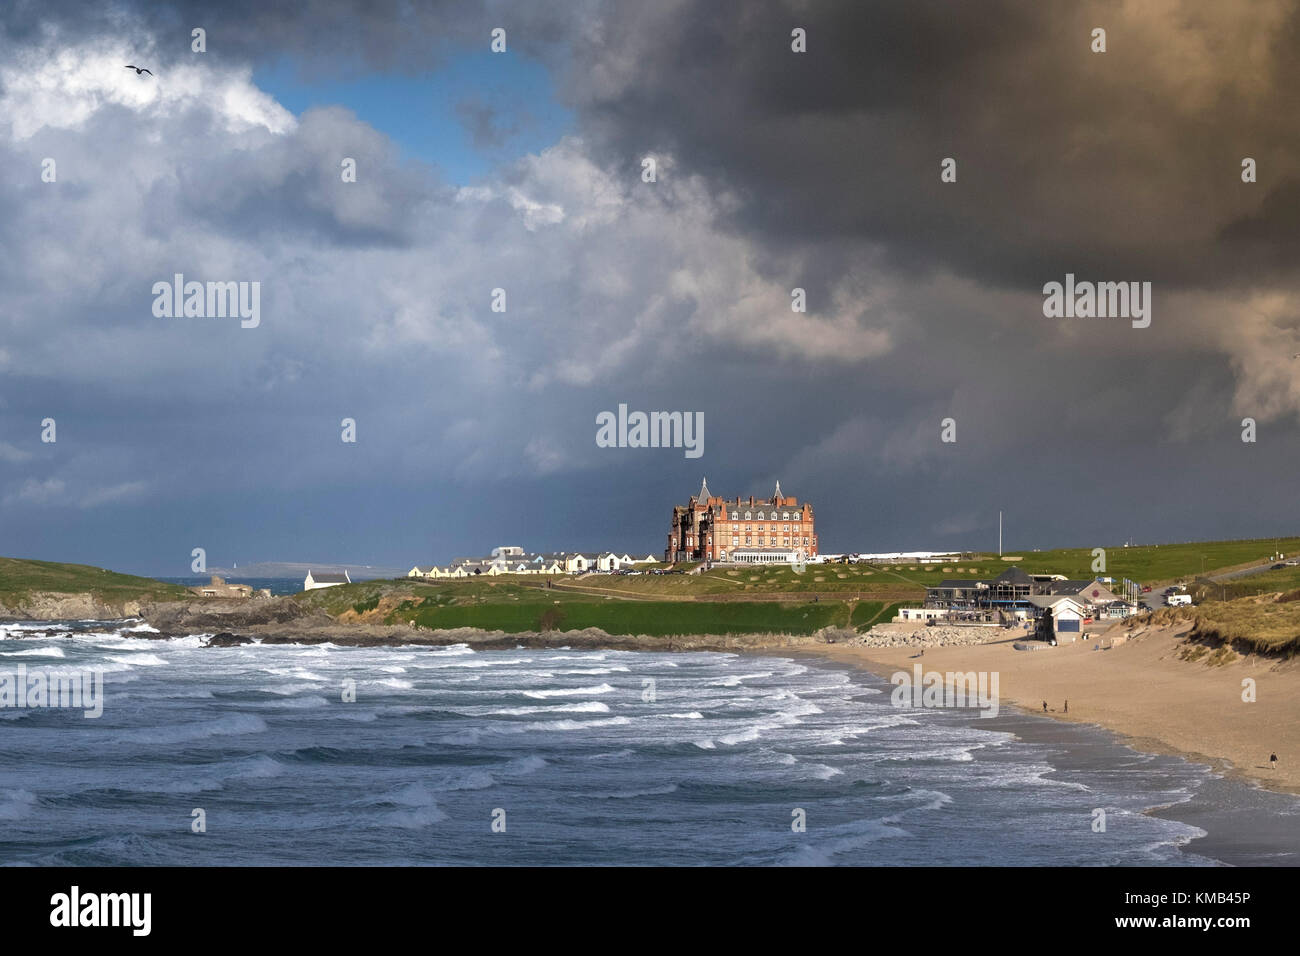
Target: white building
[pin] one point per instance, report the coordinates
(609, 561)
(764, 556)
(1067, 612)
(920, 613)
(578, 563)
(315, 581)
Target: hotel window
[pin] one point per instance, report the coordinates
(734, 541)
(748, 515)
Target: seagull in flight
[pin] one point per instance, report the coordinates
(138, 69)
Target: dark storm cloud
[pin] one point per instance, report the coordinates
(817, 170)
(1066, 158)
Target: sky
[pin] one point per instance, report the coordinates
(523, 171)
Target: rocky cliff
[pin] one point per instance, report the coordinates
(53, 606)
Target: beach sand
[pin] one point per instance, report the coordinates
(1139, 688)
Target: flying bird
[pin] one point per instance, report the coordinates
(138, 69)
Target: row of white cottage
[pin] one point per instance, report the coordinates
(554, 563)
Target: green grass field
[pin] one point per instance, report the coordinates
(725, 600)
(20, 577)
(516, 604)
(715, 602)
(1252, 585)
(1149, 564)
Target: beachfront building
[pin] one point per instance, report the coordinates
(218, 588)
(315, 581)
(1115, 610)
(919, 614)
(1091, 591)
(1058, 614)
(778, 530)
(1010, 592)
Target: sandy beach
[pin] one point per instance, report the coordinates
(1140, 688)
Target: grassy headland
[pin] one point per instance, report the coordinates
(729, 600)
(23, 581)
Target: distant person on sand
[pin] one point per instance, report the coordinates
(1067, 706)
(1272, 761)
(1044, 706)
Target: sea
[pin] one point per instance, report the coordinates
(323, 754)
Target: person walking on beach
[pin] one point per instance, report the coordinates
(1272, 761)
(1044, 706)
(1067, 706)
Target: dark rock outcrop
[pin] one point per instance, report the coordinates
(226, 639)
(220, 615)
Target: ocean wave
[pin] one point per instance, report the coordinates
(35, 652)
(633, 794)
(734, 680)
(297, 703)
(587, 707)
(361, 716)
(451, 650)
(395, 683)
(577, 724)
(824, 852)
(16, 804)
(110, 642)
(288, 690)
(819, 771)
(455, 665)
(568, 691)
(180, 733)
(140, 660)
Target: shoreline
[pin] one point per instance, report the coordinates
(1242, 822)
(1242, 819)
(1145, 719)
(1140, 687)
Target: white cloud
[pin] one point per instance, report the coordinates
(37, 492)
(57, 86)
(12, 453)
(114, 493)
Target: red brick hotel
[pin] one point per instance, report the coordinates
(778, 530)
